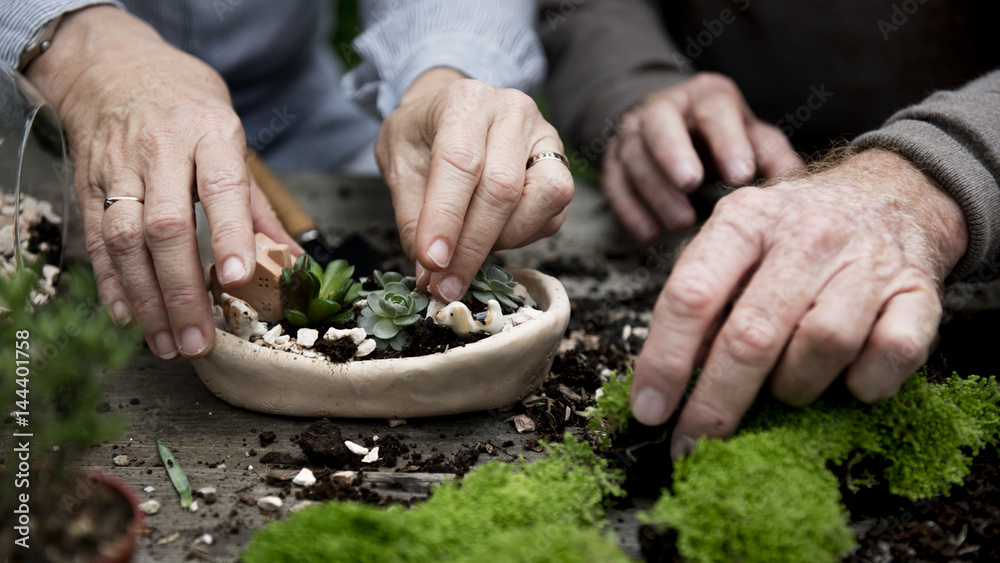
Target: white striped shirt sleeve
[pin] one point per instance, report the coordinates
(484, 39)
(20, 20)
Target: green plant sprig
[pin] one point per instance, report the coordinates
(316, 296)
(493, 283)
(389, 311)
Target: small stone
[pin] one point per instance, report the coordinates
(304, 478)
(598, 394)
(394, 422)
(523, 423)
(357, 335)
(120, 460)
(641, 332)
(360, 450)
(306, 337)
(206, 539)
(151, 506)
(626, 332)
(272, 334)
(344, 476)
(366, 347)
(194, 506)
(371, 457)
(282, 340)
(270, 503)
(149, 489)
(207, 493)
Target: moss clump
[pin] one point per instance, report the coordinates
(610, 415)
(549, 510)
(765, 495)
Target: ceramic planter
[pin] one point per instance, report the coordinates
(490, 373)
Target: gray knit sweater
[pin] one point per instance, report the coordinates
(916, 76)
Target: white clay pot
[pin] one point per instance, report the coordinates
(486, 374)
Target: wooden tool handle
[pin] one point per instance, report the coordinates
(290, 213)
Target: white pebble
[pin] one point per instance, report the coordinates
(304, 478)
(523, 423)
(272, 334)
(372, 456)
(120, 460)
(151, 506)
(306, 337)
(360, 450)
(206, 539)
(149, 489)
(270, 503)
(366, 347)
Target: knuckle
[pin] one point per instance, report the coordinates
(467, 160)
(686, 295)
(868, 393)
(828, 340)
(707, 80)
(186, 298)
(146, 306)
(752, 338)
(503, 185)
(121, 236)
(165, 226)
(224, 183)
(155, 138)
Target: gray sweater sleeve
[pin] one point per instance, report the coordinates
(605, 56)
(21, 19)
(955, 137)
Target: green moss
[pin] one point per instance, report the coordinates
(610, 416)
(765, 495)
(549, 510)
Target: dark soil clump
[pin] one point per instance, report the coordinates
(323, 444)
(339, 351)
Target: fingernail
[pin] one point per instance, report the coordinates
(164, 346)
(451, 288)
(232, 270)
(740, 170)
(684, 176)
(650, 407)
(121, 313)
(438, 253)
(423, 276)
(682, 446)
(192, 341)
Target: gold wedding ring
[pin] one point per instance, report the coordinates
(545, 156)
(108, 201)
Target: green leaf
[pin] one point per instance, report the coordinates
(399, 341)
(406, 320)
(396, 287)
(480, 285)
(505, 301)
(177, 476)
(483, 296)
(337, 274)
(378, 305)
(419, 302)
(341, 318)
(385, 328)
(320, 309)
(367, 322)
(296, 317)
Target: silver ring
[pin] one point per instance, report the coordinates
(109, 200)
(545, 156)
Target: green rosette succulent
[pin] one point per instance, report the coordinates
(493, 283)
(316, 296)
(389, 311)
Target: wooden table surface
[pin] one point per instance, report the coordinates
(203, 431)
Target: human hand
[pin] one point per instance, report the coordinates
(831, 272)
(651, 166)
(145, 120)
(453, 155)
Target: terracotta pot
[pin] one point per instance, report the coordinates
(123, 551)
(490, 373)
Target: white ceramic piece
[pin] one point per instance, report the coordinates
(491, 373)
(459, 319)
(242, 318)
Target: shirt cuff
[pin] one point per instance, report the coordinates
(20, 21)
(961, 174)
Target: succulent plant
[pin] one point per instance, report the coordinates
(389, 311)
(493, 283)
(316, 296)
(384, 278)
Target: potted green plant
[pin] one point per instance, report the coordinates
(59, 356)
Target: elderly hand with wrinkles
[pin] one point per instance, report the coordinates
(832, 273)
(651, 166)
(454, 156)
(151, 129)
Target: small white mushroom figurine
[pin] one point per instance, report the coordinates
(459, 318)
(241, 317)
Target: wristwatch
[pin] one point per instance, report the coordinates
(39, 43)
